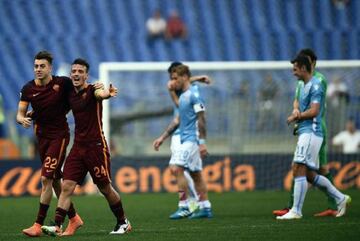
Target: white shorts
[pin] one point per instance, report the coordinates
(186, 155)
(307, 150)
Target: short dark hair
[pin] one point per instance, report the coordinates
(302, 60)
(309, 52)
(173, 65)
(82, 62)
(182, 70)
(44, 55)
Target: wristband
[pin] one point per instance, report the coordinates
(202, 141)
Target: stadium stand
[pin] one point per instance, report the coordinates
(114, 31)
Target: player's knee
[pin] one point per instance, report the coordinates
(299, 169)
(68, 188)
(45, 181)
(324, 170)
(310, 176)
(196, 176)
(105, 189)
(176, 171)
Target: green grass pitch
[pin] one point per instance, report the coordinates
(237, 216)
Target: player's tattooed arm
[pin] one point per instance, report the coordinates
(168, 132)
(201, 124)
(202, 134)
(21, 117)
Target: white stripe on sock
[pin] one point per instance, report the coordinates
(300, 189)
(322, 181)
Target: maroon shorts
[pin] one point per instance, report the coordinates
(93, 157)
(52, 155)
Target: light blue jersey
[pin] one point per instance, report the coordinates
(190, 103)
(176, 110)
(312, 92)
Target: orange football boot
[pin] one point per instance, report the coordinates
(74, 224)
(327, 213)
(33, 231)
(281, 212)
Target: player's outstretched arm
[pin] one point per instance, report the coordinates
(102, 94)
(98, 85)
(169, 130)
(21, 117)
(201, 78)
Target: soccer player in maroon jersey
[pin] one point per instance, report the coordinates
(47, 96)
(90, 152)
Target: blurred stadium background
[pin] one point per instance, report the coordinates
(246, 108)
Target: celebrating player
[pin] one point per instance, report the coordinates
(90, 151)
(191, 122)
(47, 96)
(324, 169)
(305, 163)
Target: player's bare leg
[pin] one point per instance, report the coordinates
(75, 221)
(183, 209)
(204, 210)
(64, 203)
(193, 196)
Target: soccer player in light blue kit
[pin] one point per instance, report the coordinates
(175, 138)
(306, 162)
(191, 120)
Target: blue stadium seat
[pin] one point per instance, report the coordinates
(342, 19)
(275, 16)
(292, 15)
(114, 30)
(308, 15)
(353, 41)
(335, 44)
(318, 39)
(227, 35)
(280, 45)
(354, 14)
(324, 14)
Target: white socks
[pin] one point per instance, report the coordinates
(191, 186)
(322, 181)
(204, 204)
(300, 189)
